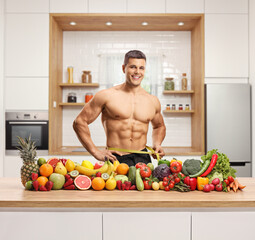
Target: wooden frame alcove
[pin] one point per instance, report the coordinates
(127, 22)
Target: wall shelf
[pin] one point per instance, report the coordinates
(178, 92)
(79, 84)
(178, 111)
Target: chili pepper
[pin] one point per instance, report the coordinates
(192, 182)
(175, 160)
(211, 166)
(119, 184)
(201, 182)
(70, 187)
(202, 170)
(68, 182)
(164, 162)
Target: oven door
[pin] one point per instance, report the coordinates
(37, 129)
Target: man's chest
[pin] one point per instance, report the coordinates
(138, 108)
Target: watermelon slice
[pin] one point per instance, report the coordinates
(53, 162)
(82, 182)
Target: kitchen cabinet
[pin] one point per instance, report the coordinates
(226, 45)
(27, 6)
(68, 6)
(110, 6)
(12, 165)
(26, 93)
(184, 6)
(226, 225)
(51, 225)
(226, 6)
(146, 225)
(146, 6)
(27, 45)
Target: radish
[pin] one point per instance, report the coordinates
(219, 187)
(207, 188)
(216, 181)
(212, 186)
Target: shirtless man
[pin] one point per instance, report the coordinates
(126, 111)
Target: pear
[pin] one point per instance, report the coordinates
(60, 168)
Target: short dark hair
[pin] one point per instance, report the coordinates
(134, 54)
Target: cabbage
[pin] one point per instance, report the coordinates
(161, 171)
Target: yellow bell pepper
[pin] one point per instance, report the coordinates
(174, 160)
(201, 181)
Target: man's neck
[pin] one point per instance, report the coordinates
(131, 89)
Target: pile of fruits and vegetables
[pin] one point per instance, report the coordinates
(211, 172)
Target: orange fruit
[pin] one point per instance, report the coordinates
(42, 180)
(46, 170)
(98, 183)
(122, 169)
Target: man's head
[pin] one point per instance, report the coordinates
(134, 67)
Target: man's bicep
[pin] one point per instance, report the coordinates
(158, 120)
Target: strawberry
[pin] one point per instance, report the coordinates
(119, 184)
(68, 182)
(67, 176)
(133, 187)
(127, 185)
(70, 187)
(34, 176)
(42, 188)
(98, 174)
(123, 186)
(49, 185)
(36, 185)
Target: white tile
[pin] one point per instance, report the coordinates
(26, 93)
(146, 6)
(226, 6)
(27, 46)
(185, 6)
(26, 6)
(68, 6)
(109, 6)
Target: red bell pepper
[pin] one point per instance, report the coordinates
(211, 166)
(192, 182)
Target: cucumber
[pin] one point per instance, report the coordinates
(131, 174)
(139, 181)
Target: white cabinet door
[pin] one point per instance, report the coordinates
(110, 6)
(226, 45)
(51, 225)
(184, 6)
(226, 6)
(146, 6)
(26, 6)
(68, 6)
(223, 225)
(12, 165)
(27, 45)
(26, 93)
(146, 225)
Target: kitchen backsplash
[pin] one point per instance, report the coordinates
(102, 53)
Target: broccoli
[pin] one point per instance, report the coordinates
(191, 166)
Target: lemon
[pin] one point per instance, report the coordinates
(110, 183)
(87, 164)
(69, 165)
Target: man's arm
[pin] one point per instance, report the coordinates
(88, 115)
(159, 129)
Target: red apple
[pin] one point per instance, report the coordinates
(98, 164)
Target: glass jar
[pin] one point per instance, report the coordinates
(180, 107)
(86, 77)
(187, 107)
(184, 82)
(169, 84)
(88, 97)
(168, 107)
(71, 98)
(173, 107)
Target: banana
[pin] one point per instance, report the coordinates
(116, 164)
(110, 168)
(90, 172)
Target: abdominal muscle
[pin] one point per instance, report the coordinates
(125, 133)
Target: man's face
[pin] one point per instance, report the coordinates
(134, 71)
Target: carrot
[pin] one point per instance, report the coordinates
(228, 187)
(240, 186)
(231, 184)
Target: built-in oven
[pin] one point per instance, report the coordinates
(24, 124)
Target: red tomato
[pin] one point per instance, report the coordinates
(140, 165)
(167, 188)
(175, 167)
(171, 185)
(230, 179)
(177, 180)
(147, 184)
(145, 172)
(226, 181)
(165, 183)
(165, 179)
(172, 181)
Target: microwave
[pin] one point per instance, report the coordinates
(24, 124)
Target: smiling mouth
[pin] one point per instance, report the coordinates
(136, 77)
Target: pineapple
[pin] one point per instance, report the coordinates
(27, 153)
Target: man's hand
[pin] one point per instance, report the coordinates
(103, 155)
(159, 150)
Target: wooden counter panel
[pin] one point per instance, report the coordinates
(12, 194)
